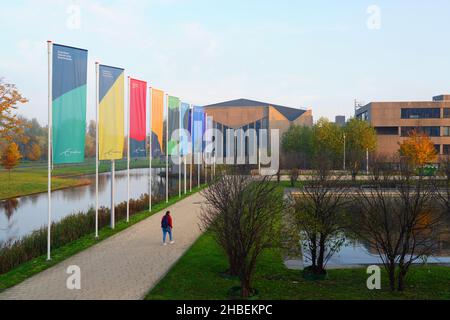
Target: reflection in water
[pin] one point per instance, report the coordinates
(9, 207)
(21, 216)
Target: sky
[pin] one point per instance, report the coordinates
(303, 54)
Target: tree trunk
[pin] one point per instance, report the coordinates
(391, 272)
(320, 260)
(246, 285)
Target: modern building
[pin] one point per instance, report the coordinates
(393, 121)
(244, 113)
(249, 114)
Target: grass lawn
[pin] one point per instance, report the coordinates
(29, 180)
(40, 264)
(197, 277)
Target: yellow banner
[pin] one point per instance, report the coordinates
(111, 117)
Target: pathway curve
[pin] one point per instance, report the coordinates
(125, 266)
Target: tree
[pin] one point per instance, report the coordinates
(360, 138)
(10, 124)
(11, 157)
(328, 144)
(241, 214)
(418, 149)
(317, 209)
(297, 143)
(401, 225)
(35, 152)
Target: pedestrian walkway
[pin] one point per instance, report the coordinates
(125, 266)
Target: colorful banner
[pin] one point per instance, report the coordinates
(174, 124)
(111, 113)
(138, 118)
(198, 129)
(69, 104)
(157, 122)
(184, 126)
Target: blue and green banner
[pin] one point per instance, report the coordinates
(69, 79)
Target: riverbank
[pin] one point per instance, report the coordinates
(37, 265)
(28, 180)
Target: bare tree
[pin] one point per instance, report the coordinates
(242, 214)
(400, 224)
(317, 212)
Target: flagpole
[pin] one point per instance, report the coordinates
(113, 187)
(150, 151)
(179, 151)
(96, 145)
(128, 150)
(167, 150)
(192, 147)
(50, 155)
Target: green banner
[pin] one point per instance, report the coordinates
(69, 104)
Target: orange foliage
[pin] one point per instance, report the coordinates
(11, 156)
(418, 149)
(35, 152)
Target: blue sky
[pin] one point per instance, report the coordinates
(317, 54)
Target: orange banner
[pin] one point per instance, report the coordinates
(157, 115)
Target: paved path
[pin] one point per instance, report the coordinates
(125, 266)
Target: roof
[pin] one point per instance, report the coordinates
(290, 113)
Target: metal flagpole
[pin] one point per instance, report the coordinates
(179, 151)
(185, 174)
(113, 187)
(150, 152)
(96, 145)
(128, 151)
(167, 150)
(192, 147)
(50, 155)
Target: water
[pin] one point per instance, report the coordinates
(21, 216)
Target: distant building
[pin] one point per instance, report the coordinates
(340, 121)
(393, 121)
(249, 114)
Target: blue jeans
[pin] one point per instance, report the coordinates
(165, 232)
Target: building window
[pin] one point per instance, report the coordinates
(437, 147)
(429, 131)
(446, 131)
(446, 150)
(446, 113)
(363, 116)
(421, 113)
(387, 131)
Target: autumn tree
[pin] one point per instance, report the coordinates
(35, 152)
(10, 125)
(360, 138)
(328, 144)
(418, 149)
(11, 157)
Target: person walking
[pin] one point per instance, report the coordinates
(167, 227)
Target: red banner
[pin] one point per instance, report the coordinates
(138, 118)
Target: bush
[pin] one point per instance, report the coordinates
(69, 229)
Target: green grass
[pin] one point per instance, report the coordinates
(35, 266)
(28, 180)
(197, 277)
